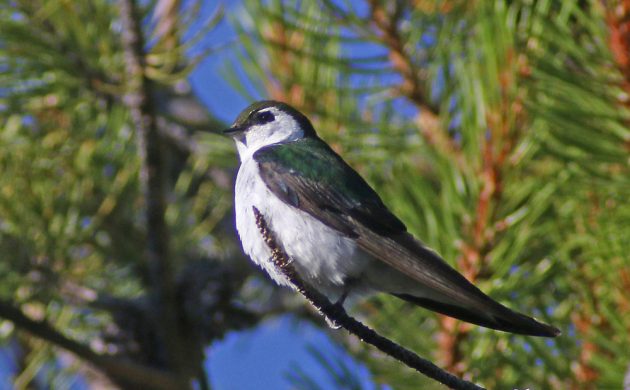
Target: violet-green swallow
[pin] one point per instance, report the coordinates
(340, 236)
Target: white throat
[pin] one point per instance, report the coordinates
(282, 129)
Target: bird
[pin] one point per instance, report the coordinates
(340, 237)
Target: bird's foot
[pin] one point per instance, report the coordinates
(331, 323)
(337, 308)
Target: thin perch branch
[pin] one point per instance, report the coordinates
(338, 315)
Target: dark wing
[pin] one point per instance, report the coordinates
(312, 177)
(307, 174)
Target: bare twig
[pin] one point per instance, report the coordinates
(338, 315)
(153, 182)
(123, 372)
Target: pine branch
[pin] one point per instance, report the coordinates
(618, 21)
(413, 86)
(337, 315)
(153, 182)
(123, 372)
(386, 23)
(165, 17)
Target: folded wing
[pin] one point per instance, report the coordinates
(312, 177)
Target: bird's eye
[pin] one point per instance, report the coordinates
(264, 117)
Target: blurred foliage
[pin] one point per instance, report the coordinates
(498, 131)
(72, 225)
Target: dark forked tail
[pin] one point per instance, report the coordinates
(496, 316)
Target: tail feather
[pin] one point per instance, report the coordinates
(496, 317)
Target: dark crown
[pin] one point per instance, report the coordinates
(244, 118)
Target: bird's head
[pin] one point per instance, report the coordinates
(265, 123)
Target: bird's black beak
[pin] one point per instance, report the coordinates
(234, 131)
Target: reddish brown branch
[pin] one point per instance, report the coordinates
(413, 85)
(618, 20)
(285, 47)
(586, 323)
(498, 144)
(617, 15)
(387, 26)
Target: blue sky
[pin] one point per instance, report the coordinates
(207, 80)
(262, 358)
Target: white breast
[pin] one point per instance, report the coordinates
(323, 258)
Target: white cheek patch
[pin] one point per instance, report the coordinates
(258, 136)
